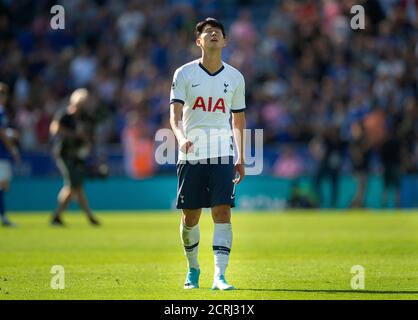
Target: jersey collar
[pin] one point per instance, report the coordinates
(211, 74)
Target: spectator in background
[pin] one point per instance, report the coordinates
(328, 149)
(138, 147)
(72, 146)
(27, 118)
(390, 155)
(7, 149)
(288, 165)
(360, 154)
(307, 59)
(243, 31)
(408, 130)
(130, 25)
(83, 67)
(243, 37)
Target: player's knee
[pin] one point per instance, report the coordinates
(222, 218)
(190, 220)
(64, 194)
(221, 215)
(191, 217)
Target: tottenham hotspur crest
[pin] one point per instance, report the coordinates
(226, 87)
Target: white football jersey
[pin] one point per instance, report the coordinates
(208, 100)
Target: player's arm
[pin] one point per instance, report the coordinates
(176, 111)
(9, 144)
(56, 128)
(238, 126)
(177, 98)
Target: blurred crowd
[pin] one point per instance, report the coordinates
(307, 72)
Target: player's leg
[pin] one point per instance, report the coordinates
(191, 198)
(222, 244)
(5, 177)
(190, 237)
(3, 188)
(76, 174)
(222, 198)
(84, 204)
(2, 208)
(64, 195)
(64, 199)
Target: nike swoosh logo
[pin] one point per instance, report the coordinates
(232, 197)
(195, 85)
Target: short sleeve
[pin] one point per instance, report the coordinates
(238, 100)
(178, 88)
(65, 121)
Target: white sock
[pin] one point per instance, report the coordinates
(190, 237)
(222, 242)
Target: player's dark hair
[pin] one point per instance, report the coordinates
(211, 22)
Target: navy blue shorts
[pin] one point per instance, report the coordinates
(205, 185)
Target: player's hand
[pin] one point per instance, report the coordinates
(240, 169)
(186, 146)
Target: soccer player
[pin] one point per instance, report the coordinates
(7, 148)
(72, 145)
(203, 95)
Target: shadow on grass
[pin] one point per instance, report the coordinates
(330, 291)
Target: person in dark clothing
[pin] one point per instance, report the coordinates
(390, 155)
(71, 147)
(360, 154)
(329, 149)
(8, 151)
(408, 135)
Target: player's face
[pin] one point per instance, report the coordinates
(211, 38)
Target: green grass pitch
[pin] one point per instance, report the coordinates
(293, 255)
